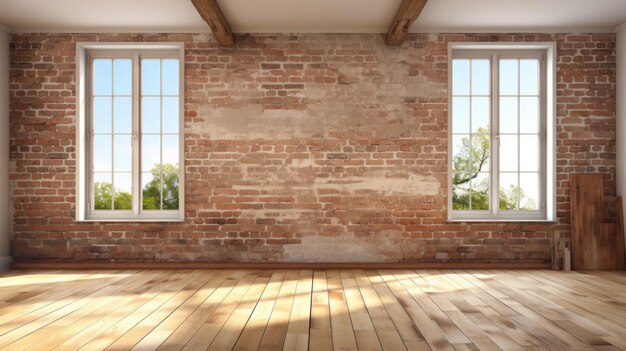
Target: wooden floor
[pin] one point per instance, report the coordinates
(315, 310)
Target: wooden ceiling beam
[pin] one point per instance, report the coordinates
(211, 13)
(407, 13)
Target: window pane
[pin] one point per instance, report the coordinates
(460, 152)
(460, 115)
(170, 115)
(509, 191)
(102, 153)
(151, 191)
(508, 115)
(460, 77)
(529, 191)
(170, 150)
(151, 115)
(150, 152)
(508, 153)
(102, 74)
(529, 77)
(529, 115)
(102, 115)
(480, 152)
(123, 114)
(481, 78)
(480, 192)
(151, 77)
(529, 153)
(170, 77)
(102, 191)
(480, 114)
(123, 192)
(170, 191)
(460, 197)
(123, 153)
(123, 76)
(508, 77)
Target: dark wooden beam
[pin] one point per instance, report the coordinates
(212, 14)
(407, 13)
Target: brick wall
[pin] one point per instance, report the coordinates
(299, 148)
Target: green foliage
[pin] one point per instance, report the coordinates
(468, 163)
(151, 192)
(102, 197)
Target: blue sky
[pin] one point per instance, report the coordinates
(112, 117)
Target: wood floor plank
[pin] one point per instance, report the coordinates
(319, 310)
(72, 323)
(479, 301)
(469, 320)
(427, 327)
(116, 312)
(341, 324)
(551, 334)
(53, 298)
(211, 327)
(321, 338)
(410, 334)
(178, 281)
(51, 312)
(297, 337)
(388, 335)
(364, 331)
(188, 328)
(233, 326)
(158, 335)
(252, 333)
(426, 311)
(276, 330)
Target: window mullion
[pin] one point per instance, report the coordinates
(543, 137)
(89, 128)
(495, 135)
(135, 143)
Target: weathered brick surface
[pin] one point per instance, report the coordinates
(299, 148)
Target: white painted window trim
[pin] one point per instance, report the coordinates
(83, 161)
(547, 211)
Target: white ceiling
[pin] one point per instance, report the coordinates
(327, 16)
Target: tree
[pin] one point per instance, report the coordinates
(468, 163)
(151, 192)
(102, 197)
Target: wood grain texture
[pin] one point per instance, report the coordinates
(212, 14)
(339, 309)
(408, 12)
(595, 244)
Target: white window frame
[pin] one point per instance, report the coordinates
(546, 52)
(85, 53)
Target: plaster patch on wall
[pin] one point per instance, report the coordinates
(350, 97)
(376, 181)
(413, 184)
(335, 249)
(251, 121)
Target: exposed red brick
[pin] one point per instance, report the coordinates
(325, 112)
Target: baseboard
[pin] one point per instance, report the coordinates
(270, 265)
(5, 263)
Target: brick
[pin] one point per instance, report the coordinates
(299, 145)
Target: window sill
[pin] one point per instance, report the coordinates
(175, 217)
(504, 220)
(115, 220)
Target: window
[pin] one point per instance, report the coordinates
(130, 132)
(501, 132)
